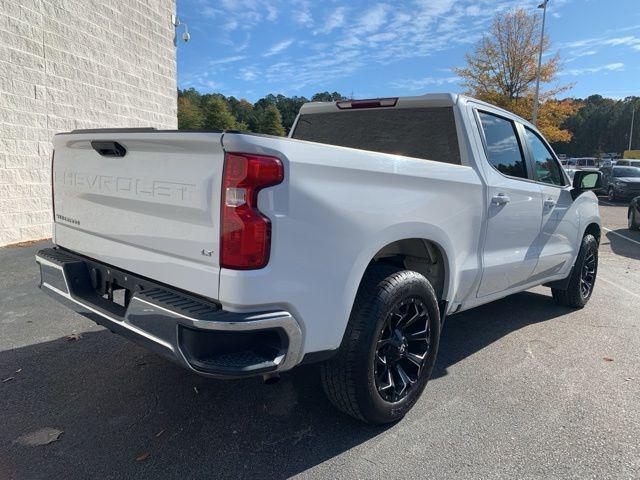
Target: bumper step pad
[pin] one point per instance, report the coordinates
(191, 331)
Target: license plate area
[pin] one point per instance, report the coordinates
(105, 287)
(113, 286)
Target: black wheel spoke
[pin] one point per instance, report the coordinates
(422, 335)
(393, 320)
(388, 381)
(416, 359)
(381, 359)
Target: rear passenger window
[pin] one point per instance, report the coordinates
(503, 149)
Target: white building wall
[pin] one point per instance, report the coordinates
(67, 64)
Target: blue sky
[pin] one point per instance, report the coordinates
(248, 48)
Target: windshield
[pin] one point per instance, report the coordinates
(626, 172)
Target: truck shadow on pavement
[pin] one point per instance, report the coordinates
(622, 246)
(127, 413)
(469, 332)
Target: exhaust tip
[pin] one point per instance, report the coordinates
(270, 378)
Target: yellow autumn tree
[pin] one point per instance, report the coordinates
(502, 70)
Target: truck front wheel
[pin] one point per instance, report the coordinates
(389, 347)
(583, 276)
(633, 222)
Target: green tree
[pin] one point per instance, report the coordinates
(241, 109)
(289, 108)
(215, 111)
(217, 115)
(327, 97)
(189, 115)
(271, 122)
(601, 125)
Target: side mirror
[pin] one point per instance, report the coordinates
(584, 180)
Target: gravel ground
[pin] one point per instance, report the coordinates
(522, 389)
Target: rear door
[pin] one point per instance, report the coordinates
(515, 207)
(147, 202)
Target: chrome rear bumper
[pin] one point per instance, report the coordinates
(193, 332)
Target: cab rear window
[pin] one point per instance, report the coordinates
(426, 133)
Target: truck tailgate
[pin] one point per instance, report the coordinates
(154, 211)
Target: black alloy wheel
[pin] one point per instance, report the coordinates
(389, 347)
(402, 349)
(588, 276)
(582, 279)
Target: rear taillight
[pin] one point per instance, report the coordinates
(245, 233)
(53, 200)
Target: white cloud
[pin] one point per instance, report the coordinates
(628, 41)
(232, 15)
(586, 53)
(221, 61)
(422, 83)
(609, 67)
(278, 47)
(378, 33)
(302, 13)
(248, 74)
(383, 34)
(200, 81)
(272, 13)
(373, 19)
(211, 85)
(334, 20)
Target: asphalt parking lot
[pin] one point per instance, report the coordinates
(522, 389)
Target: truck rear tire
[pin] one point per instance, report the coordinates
(583, 276)
(389, 347)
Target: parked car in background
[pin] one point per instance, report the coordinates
(347, 243)
(619, 182)
(606, 162)
(589, 162)
(633, 214)
(628, 162)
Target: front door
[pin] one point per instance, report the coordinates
(560, 222)
(515, 208)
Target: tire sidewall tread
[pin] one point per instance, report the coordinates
(572, 296)
(348, 377)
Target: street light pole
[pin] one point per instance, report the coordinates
(534, 117)
(633, 115)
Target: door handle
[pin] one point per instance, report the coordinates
(549, 203)
(500, 199)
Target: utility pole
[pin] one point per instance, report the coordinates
(633, 115)
(534, 117)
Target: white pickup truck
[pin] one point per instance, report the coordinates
(346, 244)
